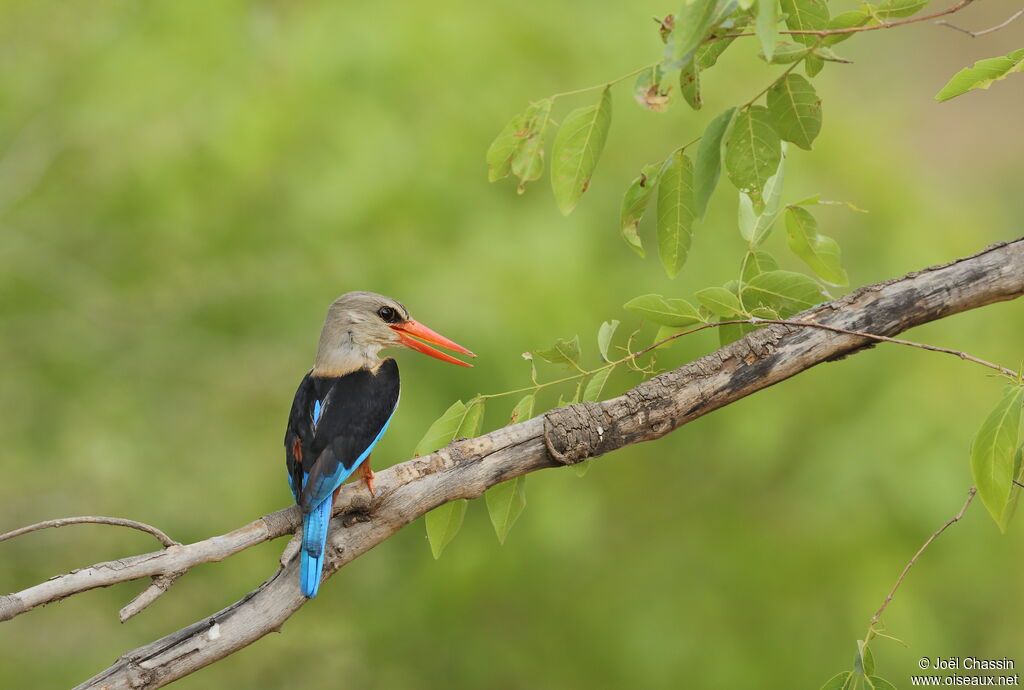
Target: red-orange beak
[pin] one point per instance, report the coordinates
(410, 330)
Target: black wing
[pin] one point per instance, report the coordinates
(333, 426)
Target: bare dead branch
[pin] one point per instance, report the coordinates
(466, 468)
(975, 34)
(92, 519)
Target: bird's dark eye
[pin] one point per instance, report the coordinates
(388, 314)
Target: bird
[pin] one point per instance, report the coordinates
(343, 407)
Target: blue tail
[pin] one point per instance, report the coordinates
(314, 539)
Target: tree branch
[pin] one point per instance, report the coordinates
(975, 34)
(466, 468)
(872, 27)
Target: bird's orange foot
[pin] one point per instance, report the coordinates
(368, 475)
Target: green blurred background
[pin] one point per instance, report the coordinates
(185, 186)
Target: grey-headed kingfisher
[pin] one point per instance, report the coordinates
(343, 407)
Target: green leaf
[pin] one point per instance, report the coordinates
(592, 392)
(813, 64)
(708, 53)
(523, 409)
(562, 352)
(785, 291)
(993, 455)
(864, 661)
(765, 221)
(604, 338)
(443, 523)
(666, 312)
(733, 332)
(756, 262)
(709, 161)
(838, 682)
(675, 213)
(577, 149)
(895, 9)
(796, 109)
(505, 503)
(528, 159)
(689, 84)
(693, 23)
(664, 332)
(846, 20)
(442, 431)
(473, 420)
(753, 150)
(786, 52)
(499, 155)
(880, 683)
(982, 75)
(634, 205)
(747, 217)
(767, 26)
(719, 301)
(819, 252)
(806, 15)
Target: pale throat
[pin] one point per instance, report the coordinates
(338, 354)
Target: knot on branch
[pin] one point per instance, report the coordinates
(574, 433)
(10, 606)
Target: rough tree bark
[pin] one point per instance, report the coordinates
(466, 468)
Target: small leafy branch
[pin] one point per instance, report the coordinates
(749, 143)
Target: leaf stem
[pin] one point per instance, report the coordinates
(606, 84)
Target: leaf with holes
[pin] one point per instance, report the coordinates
(708, 166)
(753, 150)
(993, 455)
(675, 213)
(796, 110)
(819, 252)
(666, 312)
(982, 75)
(634, 205)
(577, 149)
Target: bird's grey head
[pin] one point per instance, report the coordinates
(357, 328)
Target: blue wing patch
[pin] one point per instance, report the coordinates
(317, 409)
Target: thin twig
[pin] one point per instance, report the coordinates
(975, 34)
(906, 569)
(92, 519)
(855, 29)
(871, 336)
